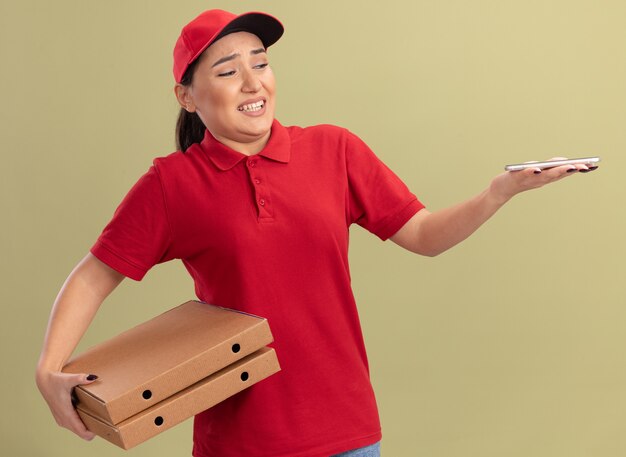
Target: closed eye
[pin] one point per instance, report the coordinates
(228, 73)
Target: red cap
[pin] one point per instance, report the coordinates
(212, 25)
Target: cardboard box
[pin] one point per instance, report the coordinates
(165, 365)
(187, 403)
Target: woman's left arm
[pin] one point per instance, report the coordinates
(431, 234)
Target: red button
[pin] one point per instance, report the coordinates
(257, 181)
(252, 163)
(262, 202)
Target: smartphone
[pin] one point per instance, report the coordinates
(589, 161)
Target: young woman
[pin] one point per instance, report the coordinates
(259, 215)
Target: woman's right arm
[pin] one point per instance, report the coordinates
(74, 308)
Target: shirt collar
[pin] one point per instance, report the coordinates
(278, 148)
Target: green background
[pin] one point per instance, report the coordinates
(511, 344)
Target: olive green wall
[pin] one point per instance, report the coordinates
(509, 345)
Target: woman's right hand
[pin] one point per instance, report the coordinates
(56, 388)
(75, 307)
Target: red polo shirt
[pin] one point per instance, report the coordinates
(268, 234)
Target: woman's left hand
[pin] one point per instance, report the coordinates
(508, 184)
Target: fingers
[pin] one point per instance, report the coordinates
(508, 184)
(75, 424)
(58, 389)
(589, 168)
(565, 170)
(86, 379)
(559, 163)
(81, 380)
(578, 168)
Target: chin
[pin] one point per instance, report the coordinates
(259, 129)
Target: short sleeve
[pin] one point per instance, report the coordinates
(378, 199)
(138, 236)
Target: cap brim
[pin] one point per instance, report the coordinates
(266, 27)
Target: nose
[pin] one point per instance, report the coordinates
(250, 82)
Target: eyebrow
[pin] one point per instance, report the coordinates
(233, 56)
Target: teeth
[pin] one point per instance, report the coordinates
(252, 106)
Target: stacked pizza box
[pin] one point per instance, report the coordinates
(170, 368)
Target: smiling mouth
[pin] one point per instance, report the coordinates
(252, 107)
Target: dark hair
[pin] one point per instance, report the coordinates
(189, 126)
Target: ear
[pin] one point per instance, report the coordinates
(185, 100)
